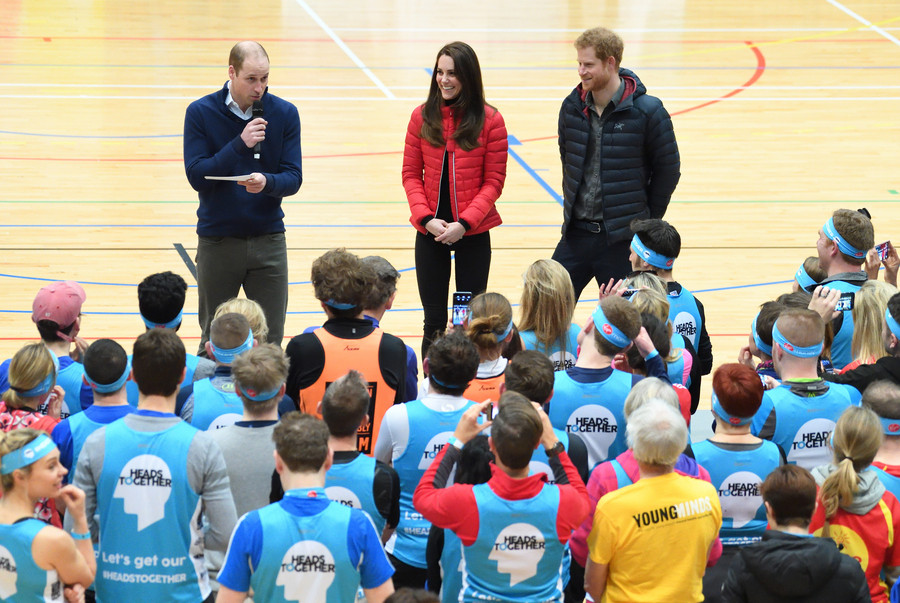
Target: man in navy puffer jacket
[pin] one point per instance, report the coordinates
(619, 157)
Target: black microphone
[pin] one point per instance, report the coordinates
(257, 112)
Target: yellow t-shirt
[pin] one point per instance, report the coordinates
(655, 536)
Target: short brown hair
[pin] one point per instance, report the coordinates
(738, 388)
(339, 276)
(242, 50)
(516, 430)
(158, 362)
(261, 369)
(605, 42)
(802, 328)
(857, 229)
(345, 404)
(385, 284)
(530, 373)
(452, 363)
(790, 491)
(301, 441)
(622, 315)
(883, 397)
(228, 331)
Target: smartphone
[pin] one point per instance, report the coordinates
(845, 302)
(882, 250)
(461, 301)
(627, 293)
(490, 412)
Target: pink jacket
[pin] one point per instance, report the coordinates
(476, 176)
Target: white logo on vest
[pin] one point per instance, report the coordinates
(432, 448)
(810, 446)
(344, 496)
(144, 486)
(307, 571)
(518, 550)
(7, 574)
(224, 421)
(740, 497)
(597, 427)
(684, 325)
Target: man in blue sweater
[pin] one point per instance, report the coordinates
(240, 224)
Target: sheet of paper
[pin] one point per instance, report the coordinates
(232, 178)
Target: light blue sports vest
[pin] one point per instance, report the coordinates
(841, 354)
(675, 369)
(429, 431)
(214, 408)
(70, 380)
(81, 427)
(517, 555)
(685, 315)
(737, 476)
(305, 558)
(595, 411)
(804, 423)
(560, 362)
(451, 568)
(351, 484)
(890, 482)
(190, 365)
(21, 580)
(147, 518)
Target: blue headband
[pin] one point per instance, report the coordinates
(509, 329)
(726, 416)
(31, 452)
(252, 394)
(609, 331)
(163, 325)
(227, 356)
(890, 427)
(763, 347)
(447, 385)
(45, 385)
(811, 351)
(892, 324)
(339, 305)
(651, 257)
(846, 248)
(804, 279)
(109, 388)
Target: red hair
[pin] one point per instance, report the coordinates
(739, 389)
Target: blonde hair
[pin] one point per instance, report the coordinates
(13, 441)
(650, 388)
(855, 441)
(489, 317)
(651, 301)
(548, 304)
(868, 316)
(251, 310)
(647, 280)
(27, 369)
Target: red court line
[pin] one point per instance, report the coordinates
(757, 73)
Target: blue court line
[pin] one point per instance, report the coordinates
(513, 141)
(53, 280)
(87, 136)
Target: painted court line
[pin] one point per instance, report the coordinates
(337, 40)
(880, 31)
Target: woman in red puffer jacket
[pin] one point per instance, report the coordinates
(454, 167)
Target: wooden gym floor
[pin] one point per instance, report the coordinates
(783, 113)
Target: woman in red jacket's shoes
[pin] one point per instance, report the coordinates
(454, 166)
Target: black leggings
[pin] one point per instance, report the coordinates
(473, 263)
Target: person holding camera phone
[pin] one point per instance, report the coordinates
(454, 167)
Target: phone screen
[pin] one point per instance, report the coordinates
(845, 302)
(883, 249)
(461, 301)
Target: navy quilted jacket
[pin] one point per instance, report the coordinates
(640, 163)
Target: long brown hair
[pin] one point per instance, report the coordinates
(469, 104)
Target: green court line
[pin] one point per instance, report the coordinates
(893, 192)
(502, 201)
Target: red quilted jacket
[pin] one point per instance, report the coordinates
(476, 176)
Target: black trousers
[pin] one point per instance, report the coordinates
(587, 255)
(472, 255)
